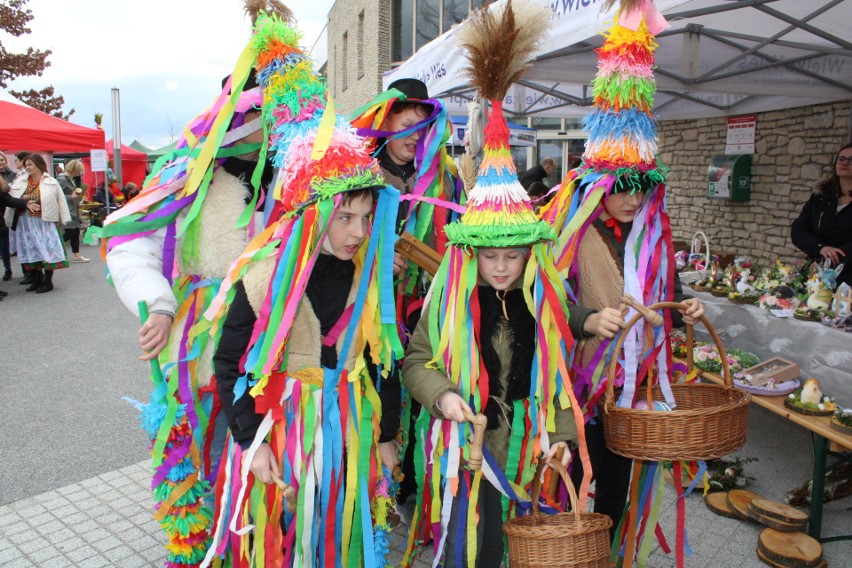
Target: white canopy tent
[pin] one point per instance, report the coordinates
(718, 58)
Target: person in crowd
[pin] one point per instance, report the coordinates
(37, 240)
(406, 132)
(71, 181)
(538, 173)
(130, 190)
(478, 347)
(6, 200)
(317, 347)
(823, 229)
(615, 239)
(8, 176)
(19, 163)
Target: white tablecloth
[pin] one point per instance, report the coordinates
(820, 351)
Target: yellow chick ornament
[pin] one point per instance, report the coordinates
(811, 392)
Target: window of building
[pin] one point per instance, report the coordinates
(428, 25)
(455, 11)
(344, 67)
(402, 26)
(361, 44)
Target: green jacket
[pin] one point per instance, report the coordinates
(427, 385)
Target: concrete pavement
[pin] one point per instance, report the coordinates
(74, 481)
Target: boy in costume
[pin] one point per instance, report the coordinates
(168, 251)
(494, 337)
(615, 239)
(308, 343)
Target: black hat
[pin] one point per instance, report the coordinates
(413, 89)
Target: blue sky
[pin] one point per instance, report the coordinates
(166, 57)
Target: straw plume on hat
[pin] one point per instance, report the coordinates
(498, 47)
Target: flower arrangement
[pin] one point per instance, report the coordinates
(706, 356)
(769, 301)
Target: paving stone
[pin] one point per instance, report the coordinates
(81, 553)
(10, 555)
(107, 543)
(116, 555)
(32, 545)
(43, 554)
(61, 535)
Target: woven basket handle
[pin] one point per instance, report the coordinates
(690, 346)
(536, 489)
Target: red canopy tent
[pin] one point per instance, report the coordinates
(134, 166)
(25, 128)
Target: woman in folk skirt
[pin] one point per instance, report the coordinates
(36, 237)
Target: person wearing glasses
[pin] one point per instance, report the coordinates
(823, 230)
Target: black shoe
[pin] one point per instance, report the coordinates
(3, 294)
(36, 280)
(47, 285)
(26, 280)
(7, 276)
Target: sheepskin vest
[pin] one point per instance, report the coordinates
(220, 242)
(304, 345)
(600, 282)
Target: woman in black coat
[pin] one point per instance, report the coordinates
(824, 227)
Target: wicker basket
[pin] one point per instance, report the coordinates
(709, 421)
(565, 540)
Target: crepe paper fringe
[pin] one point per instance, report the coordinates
(622, 130)
(442, 445)
(639, 526)
(341, 516)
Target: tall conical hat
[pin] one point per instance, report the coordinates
(499, 212)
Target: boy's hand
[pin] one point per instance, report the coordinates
(692, 315)
(388, 454)
(154, 335)
(605, 323)
(263, 463)
(399, 264)
(453, 407)
(554, 449)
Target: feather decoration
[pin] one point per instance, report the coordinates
(489, 39)
(272, 7)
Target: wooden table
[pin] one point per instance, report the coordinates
(822, 434)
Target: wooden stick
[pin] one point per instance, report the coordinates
(479, 424)
(651, 317)
(288, 492)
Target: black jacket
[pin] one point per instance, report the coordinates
(6, 200)
(328, 287)
(820, 224)
(536, 173)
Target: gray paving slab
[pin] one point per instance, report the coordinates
(74, 479)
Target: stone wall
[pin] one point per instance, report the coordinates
(794, 149)
(352, 85)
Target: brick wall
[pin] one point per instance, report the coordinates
(364, 82)
(794, 149)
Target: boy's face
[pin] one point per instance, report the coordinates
(403, 150)
(349, 227)
(500, 267)
(622, 206)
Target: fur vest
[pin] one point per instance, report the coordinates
(510, 382)
(54, 208)
(304, 345)
(600, 281)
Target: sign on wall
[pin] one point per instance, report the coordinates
(741, 134)
(99, 160)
